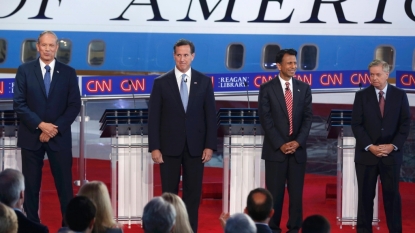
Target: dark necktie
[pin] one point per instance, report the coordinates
(184, 92)
(46, 79)
(289, 103)
(381, 103)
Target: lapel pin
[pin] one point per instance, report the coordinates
(195, 83)
(298, 90)
(57, 71)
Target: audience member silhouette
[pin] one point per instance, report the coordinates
(182, 224)
(12, 194)
(8, 219)
(80, 214)
(159, 216)
(259, 206)
(97, 192)
(240, 223)
(315, 224)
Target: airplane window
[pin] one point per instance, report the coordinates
(29, 51)
(386, 53)
(65, 51)
(235, 56)
(269, 54)
(308, 57)
(96, 52)
(3, 50)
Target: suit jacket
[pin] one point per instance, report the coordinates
(170, 126)
(27, 226)
(33, 106)
(274, 119)
(262, 228)
(370, 128)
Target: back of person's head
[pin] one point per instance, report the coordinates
(159, 216)
(8, 219)
(240, 223)
(98, 193)
(259, 205)
(80, 214)
(11, 186)
(182, 224)
(315, 224)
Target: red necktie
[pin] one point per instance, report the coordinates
(381, 103)
(289, 103)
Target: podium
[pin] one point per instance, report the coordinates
(131, 164)
(243, 169)
(339, 126)
(9, 152)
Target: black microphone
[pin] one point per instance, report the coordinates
(247, 95)
(360, 85)
(131, 86)
(185, 80)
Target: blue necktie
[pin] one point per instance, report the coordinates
(184, 92)
(46, 79)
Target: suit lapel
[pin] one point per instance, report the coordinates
(55, 76)
(280, 95)
(171, 79)
(194, 87)
(296, 95)
(39, 76)
(389, 100)
(373, 100)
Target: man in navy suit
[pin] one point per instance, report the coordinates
(285, 112)
(12, 193)
(47, 101)
(380, 123)
(259, 206)
(182, 127)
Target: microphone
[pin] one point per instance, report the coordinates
(130, 83)
(185, 80)
(247, 95)
(360, 85)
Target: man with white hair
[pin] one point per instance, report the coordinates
(12, 194)
(159, 216)
(240, 223)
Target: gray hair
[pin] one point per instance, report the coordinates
(377, 62)
(47, 32)
(240, 223)
(11, 184)
(158, 216)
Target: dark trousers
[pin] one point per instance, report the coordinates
(192, 174)
(61, 167)
(277, 174)
(367, 176)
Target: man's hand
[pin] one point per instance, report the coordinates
(378, 151)
(44, 137)
(50, 129)
(207, 155)
(223, 218)
(289, 147)
(156, 156)
(386, 149)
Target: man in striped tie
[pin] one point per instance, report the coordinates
(285, 113)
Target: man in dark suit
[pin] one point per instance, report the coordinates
(380, 124)
(12, 193)
(182, 127)
(285, 114)
(259, 207)
(47, 101)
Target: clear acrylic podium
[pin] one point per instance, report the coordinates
(243, 169)
(9, 152)
(339, 126)
(131, 164)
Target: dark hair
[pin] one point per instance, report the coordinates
(259, 211)
(79, 213)
(316, 224)
(282, 52)
(182, 42)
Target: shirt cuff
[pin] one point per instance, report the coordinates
(367, 148)
(395, 147)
